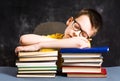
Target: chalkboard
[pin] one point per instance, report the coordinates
(19, 17)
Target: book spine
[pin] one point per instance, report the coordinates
(85, 50)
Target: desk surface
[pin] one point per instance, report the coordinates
(9, 74)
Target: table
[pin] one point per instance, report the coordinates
(9, 74)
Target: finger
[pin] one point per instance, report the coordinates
(19, 48)
(84, 39)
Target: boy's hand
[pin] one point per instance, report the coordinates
(83, 42)
(33, 47)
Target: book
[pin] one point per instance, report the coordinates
(38, 58)
(36, 71)
(83, 62)
(30, 64)
(85, 50)
(37, 68)
(66, 60)
(37, 63)
(36, 75)
(81, 55)
(37, 53)
(96, 64)
(102, 74)
(77, 69)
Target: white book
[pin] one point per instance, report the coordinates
(82, 64)
(83, 60)
(81, 55)
(51, 63)
(36, 75)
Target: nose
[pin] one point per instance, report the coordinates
(76, 33)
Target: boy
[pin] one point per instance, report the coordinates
(80, 28)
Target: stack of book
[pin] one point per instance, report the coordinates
(86, 62)
(37, 64)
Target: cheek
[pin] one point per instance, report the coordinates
(67, 30)
(67, 33)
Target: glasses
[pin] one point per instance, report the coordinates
(77, 27)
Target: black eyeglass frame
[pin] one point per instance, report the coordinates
(82, 31)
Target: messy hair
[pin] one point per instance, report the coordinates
(94, 16)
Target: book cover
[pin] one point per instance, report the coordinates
(102, 74)
(85, 50)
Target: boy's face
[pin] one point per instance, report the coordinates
(80, 26)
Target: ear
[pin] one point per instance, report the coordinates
(69, 21)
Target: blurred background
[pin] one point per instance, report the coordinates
(19, 17)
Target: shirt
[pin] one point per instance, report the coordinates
(55, 36)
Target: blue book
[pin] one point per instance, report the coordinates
(85, 50)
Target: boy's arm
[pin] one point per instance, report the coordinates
(75, 42)
(30, 39)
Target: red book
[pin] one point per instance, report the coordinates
(102, 74)
(78, 69)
